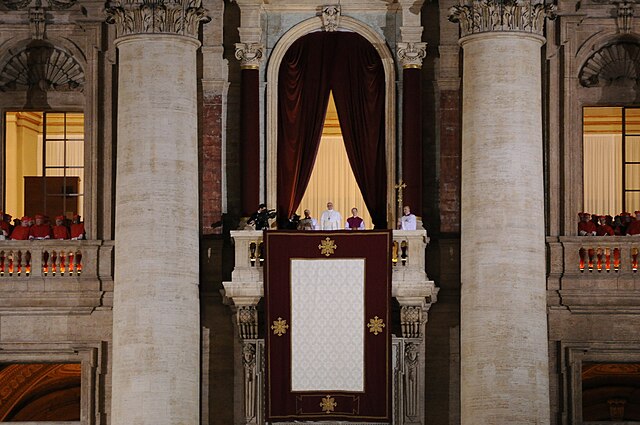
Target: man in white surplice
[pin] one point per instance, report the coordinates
(330, 218)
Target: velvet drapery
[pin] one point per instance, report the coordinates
(348, 65)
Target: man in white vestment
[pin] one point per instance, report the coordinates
(408, 220)
(330, 218)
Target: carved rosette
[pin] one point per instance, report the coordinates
(481, 16)
(249, 54)
(181, 17)
(411, 55)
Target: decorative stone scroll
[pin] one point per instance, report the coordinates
(249, 54)
(331, 17)
(494, 16)
(411, 55)
(182, 17)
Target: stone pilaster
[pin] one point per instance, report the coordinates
(156, 321)
(504, 359)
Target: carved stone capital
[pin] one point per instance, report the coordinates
(249, 54)
(481, 16)
(181, 17)
(410, 55)
(331, 17)
(625, 16)
(411, 321)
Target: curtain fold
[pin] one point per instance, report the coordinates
(313, 66)
(358, 90)
(603, 173)
(303, 95)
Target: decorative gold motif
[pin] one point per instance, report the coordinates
(375, 325)
(328, 404)
(280, 326)
(327, 247)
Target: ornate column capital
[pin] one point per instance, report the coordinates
(249, 54)
(411, 54)
(481, 16)
(181, 17)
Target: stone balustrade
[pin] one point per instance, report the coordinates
(47, 276)
(595, 273)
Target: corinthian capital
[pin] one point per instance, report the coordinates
(410, 55)
(249, 54)
(181, 17)
(501, 16)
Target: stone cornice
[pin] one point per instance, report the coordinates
(181, 17)
(481, 16)
(410, 55)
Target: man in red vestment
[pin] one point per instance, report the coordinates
(21, 233)
(40, 230)
(5, 226)
(77, 228)
(586, 227)
(604, 229)
(60, 231)
(634, 227)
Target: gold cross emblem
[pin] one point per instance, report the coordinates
(328, 404)
(280, 326)
(375, 325)
(327, 247)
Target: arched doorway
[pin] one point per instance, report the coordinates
(375, 42)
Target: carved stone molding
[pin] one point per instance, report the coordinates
(247, 317)
(411, 55)
(494, 16)
(51, 4)
(37, 23)
(412, 382)
(331, 17)
(43, 65)
(411, 321)
(181, 17)
(612, 63)
(625, 16)
(250, 55)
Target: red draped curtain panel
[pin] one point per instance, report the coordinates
(350, 66)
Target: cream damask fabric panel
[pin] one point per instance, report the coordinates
(332, 180)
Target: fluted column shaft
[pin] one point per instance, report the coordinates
(156, 320)
(504, 351)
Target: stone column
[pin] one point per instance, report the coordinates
(411, 51)
(156, 332)
(504, 358)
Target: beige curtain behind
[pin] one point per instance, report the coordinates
(332, 180)
(603, 173)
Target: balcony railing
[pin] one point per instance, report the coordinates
(53, 275)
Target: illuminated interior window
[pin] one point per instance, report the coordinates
(332, 178)
(35, 392)
(44, 163)
(611, 155)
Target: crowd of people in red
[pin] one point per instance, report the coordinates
(606, 225)
(39, 228)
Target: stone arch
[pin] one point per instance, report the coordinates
(273, 66)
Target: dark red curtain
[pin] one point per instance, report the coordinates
(303, 95)
(349, 65)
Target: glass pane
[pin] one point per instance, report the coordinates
(55, 153)
(632, 149)
(632, 201)
(55, 125)
(632, 120)
(632, 176)
(602, 120)
(75, 151)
